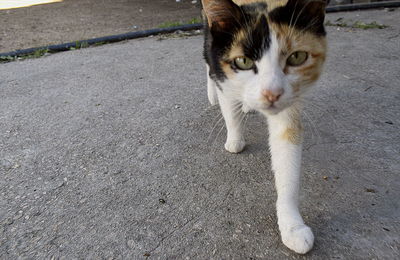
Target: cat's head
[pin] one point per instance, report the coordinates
(265, 54)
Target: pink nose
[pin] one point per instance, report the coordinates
(272, 96)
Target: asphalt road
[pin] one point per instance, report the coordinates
(113, 152)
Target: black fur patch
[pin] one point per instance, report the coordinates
(258, 39)
(303, 15)
(215, 46)
(253, 22)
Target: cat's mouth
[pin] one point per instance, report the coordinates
(271, 109)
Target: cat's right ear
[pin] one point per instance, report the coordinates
(221, 15)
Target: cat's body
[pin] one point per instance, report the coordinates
(263, 55)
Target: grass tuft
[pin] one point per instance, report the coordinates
(178, 23)
(357, 24)
(37, 54)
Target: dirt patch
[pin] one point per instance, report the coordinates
(73, 20)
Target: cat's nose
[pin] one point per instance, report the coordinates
(272, 95)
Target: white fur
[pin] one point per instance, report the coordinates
(286, 162)
(244, 92)
(211, 89)
(233, 121)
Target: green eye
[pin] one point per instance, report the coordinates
(243, 63)
(297, 58)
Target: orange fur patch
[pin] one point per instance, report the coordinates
(236, 50)
(294, 132)
(292, 135)
(290, 40)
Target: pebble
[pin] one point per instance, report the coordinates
(131, 243)
(6, 164)
(18, 215)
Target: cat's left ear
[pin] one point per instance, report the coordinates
(316, 8)
(312, 13)
(221, 14)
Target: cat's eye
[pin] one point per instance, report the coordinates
(243, 63)
(297, 58)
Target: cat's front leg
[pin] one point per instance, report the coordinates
(286, 145)
(232, 113)
(211, 88)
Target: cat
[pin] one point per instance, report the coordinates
(264, 55)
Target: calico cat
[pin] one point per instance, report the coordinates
(263, 55)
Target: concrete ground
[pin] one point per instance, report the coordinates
(113, 152)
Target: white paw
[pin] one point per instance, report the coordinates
(298, 238)
(235, 146)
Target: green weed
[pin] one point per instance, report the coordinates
(366, 26)
(357, 24)
(178, 23)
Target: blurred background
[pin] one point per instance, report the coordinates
(34, 23)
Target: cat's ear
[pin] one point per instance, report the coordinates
(316, 8)
(221, 14)
(311, 12)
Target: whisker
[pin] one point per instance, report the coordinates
(219, 132)
(314, 129)
(215, 125)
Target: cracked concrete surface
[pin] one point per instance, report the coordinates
(114, 153)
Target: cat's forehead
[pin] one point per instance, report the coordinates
(288, 20)
(270, 4)
(306, 15)
(253, 38)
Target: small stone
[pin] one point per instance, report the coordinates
(18, 215)
(6, 164)
(325, 178)
(15, 166)
(9, 221)
(130, 243)
(162, 201)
